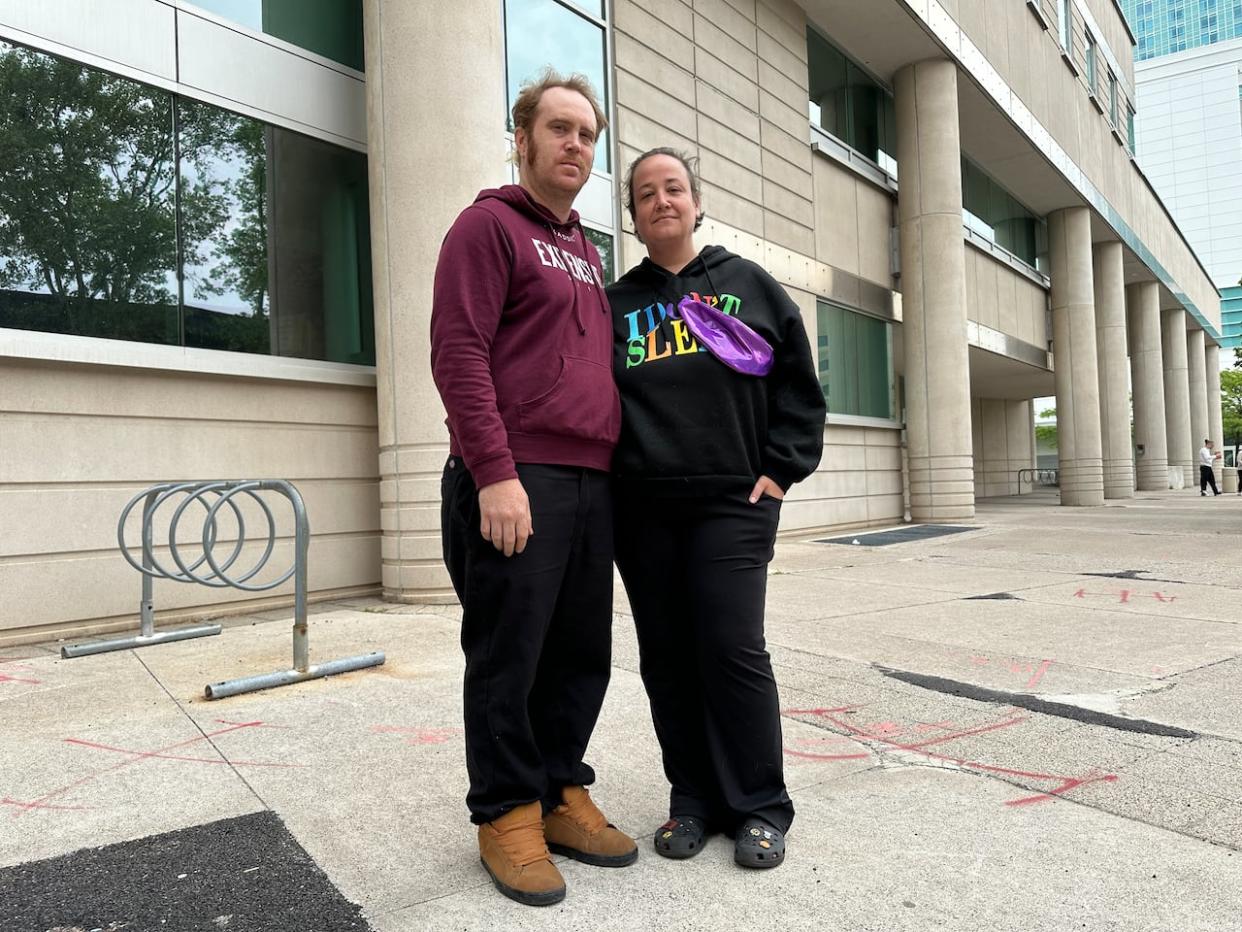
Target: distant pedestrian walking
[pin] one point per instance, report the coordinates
(1207, 456)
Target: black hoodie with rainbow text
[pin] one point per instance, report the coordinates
(689, 423)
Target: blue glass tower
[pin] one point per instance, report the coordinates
(1165, 26)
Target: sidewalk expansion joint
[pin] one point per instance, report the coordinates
(1035, 704)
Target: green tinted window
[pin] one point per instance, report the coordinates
(88, 220)
(604, 246)
(995, 214)
(331, 28)
(847, 103)
(108, 187)
(855, 362)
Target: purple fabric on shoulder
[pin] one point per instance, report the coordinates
(727, 338)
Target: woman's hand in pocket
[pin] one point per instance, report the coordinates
(766, 486)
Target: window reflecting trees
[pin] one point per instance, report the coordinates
(109, 187)
(88, 231)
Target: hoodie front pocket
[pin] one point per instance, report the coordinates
(582, 402)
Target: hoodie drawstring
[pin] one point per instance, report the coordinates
(603, 306)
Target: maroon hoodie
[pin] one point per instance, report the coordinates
(521, 340)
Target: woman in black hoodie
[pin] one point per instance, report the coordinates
(705, 457)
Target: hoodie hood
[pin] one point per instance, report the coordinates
(649, 275)
(522, 201)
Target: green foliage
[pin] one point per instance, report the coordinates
(87, 205)
(1231, 405)
(88, 208)
(1046, 436)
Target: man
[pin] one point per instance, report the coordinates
(1206, 476)
(521, 351)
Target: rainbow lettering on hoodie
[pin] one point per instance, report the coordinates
(648, 342)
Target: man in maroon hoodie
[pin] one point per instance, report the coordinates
(521, 351)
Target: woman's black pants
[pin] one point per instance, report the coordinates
(695, 569)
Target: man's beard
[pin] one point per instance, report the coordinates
(532, 156)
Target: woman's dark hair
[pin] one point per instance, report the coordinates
(689, 162)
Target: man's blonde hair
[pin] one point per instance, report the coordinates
(532, 92)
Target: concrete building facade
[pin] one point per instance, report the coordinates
(946, 189)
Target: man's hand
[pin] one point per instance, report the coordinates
(505, 516)
(766, 486)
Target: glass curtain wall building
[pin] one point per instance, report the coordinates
(1162, 27)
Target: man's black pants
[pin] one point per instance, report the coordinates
(696, 571)
(536, 631)
(1207, 477)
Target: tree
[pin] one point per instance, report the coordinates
(1231, 405)
(1046, 434)
(88, 207)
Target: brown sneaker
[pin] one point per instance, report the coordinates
(514, 852)
(578, 829)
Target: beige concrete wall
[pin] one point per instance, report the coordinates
(727, 81)
(1004, 443)
(853, 222)
(1028, 58)
(79, 441)
(1000, 298)
(858, 483)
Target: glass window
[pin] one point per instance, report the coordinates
(604, 245)
(331, 28)
(848, 104)
(539, 33)
(1063, 19)
(275, 240)
(1112, 98)
(108, 187)
(1130, 129)
(992, 212)
(1090, 56)
(88, 233)
(855, 362)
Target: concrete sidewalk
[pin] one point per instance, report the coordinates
(931, 791)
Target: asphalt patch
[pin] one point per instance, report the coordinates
(901, 535)
(246, 874)
(1139, 575)
(994, 596)
(1035, 704)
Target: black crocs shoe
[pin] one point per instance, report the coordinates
(758, 844)
(681, 837)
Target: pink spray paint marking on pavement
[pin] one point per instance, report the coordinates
(23, 807)
(418, 736)
(886, 734)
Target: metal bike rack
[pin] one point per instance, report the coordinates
(1043, 477)
(215, 574)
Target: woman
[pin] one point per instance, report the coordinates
(706, 454)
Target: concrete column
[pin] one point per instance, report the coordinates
(933, 287)
(1216, 428)
(1197, 380)
(1147, 379)
(1114, 371)
(419, 57)
(1182, 447)
(1079, 447)
(1020, 444)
